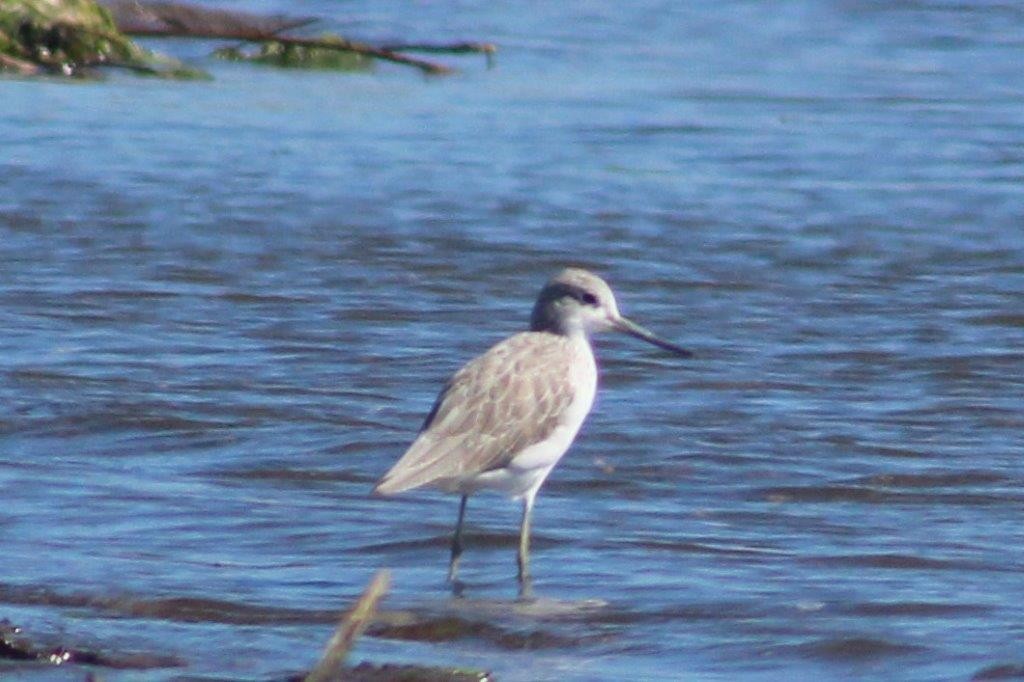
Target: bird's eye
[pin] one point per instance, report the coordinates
(589, 298)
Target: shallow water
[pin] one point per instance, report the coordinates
(226, 307)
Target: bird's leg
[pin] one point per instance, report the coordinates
(453, 565)
(524, 548)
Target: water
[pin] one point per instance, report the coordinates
(227, 306)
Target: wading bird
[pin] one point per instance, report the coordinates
(503, 421)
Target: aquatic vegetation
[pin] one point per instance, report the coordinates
(73, 38)
(76, 37)
(286, 55)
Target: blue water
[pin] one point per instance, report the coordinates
(225, 308)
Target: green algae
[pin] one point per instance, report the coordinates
(284, 55)
(81, 38)
(73, 38)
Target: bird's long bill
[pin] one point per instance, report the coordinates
(633, 329)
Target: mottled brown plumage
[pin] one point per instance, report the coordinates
(490, 410)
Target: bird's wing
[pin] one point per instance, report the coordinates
(503, 401)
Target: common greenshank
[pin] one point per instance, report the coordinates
(503, 421)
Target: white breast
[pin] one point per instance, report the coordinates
(529, 468)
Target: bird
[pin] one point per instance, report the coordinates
(504, 420)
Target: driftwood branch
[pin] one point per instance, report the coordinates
(19, 66)
(333, 43)
(351, 626)
(423, 65)
(448, 48)
(469, 47)
(72, 38)
(167, 18)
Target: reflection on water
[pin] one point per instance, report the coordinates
(226, 308)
